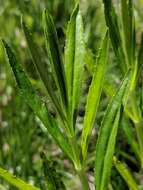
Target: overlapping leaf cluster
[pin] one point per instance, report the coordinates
(66, 71)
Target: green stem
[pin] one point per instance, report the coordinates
(84, 180)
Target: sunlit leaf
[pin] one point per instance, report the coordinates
(94, 94)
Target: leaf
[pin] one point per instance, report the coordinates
(70, 52)
(129, 133)
(105, 131)
(110, 152)
(55, 56)
(52, 177)
(94, 94)
(114, 31)
(42, 67)
(78, 61)
(13, 180)
(33, 100)
(126, 175)
(128, 29)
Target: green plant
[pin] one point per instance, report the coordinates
(63, 82)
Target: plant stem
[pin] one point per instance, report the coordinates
(83, 179)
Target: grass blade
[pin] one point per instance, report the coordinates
(55, 55)
(106, 128)
(42, 68)
(34, 101)
(13, 180)
(126, 175)
(94, 94)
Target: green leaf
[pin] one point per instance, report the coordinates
(129, 133)
(74, 60)
(52, 177)
(94, 94)
(125, 173)
(43, 68)
(128, 29)
(109, 152)
(78, 62)
(55, 56)
(114, 31)
(105, 133)
(13, 180)
(70, 53)
(33, 100)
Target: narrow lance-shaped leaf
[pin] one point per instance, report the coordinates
(78, 62)
(106, 129)
(128, 29)
(13, 180)
(125, 173)
(70, 53)
(114, 31)
(34, 101)
(109, 152)
(94, 94)
(42, 68)
(55, 56)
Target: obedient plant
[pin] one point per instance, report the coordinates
(66, 72)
